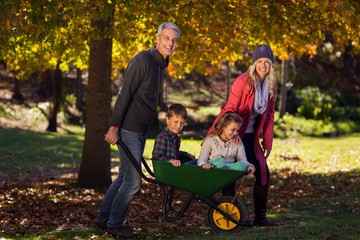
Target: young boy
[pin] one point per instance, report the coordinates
(167, 142)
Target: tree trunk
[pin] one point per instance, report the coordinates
(17, 94)
(79, 90)
(228, 76)
(95, 162)
(55, 102)
(284, 79)
(45, 85)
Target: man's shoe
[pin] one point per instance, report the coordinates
(121, 232)
(100, 226)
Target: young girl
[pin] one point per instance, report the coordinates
(253, 97)
(219, 151)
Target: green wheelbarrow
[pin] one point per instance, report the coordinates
(225, 214)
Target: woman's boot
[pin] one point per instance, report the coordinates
(260, 200)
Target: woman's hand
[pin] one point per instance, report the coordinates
(175, 163)
(206, 166)
(236, 140)
(266, 152)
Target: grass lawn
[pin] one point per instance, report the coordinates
(314, 192)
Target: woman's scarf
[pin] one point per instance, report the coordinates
(261, 96)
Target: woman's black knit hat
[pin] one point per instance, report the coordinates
(263, 51)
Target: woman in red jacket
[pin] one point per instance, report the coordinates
(252, 96)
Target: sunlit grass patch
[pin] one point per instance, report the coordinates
(316, 155)
(23, 150)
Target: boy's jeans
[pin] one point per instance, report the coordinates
(116, 202)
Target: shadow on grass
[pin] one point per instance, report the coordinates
(46, 204)
(308, 207)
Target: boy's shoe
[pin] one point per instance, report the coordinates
(100, 226)
(121, 232)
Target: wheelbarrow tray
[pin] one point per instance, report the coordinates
(194, 179)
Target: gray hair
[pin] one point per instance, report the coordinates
(170, 25)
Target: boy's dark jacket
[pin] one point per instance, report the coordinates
(135, 106)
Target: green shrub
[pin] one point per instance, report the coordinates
(347, 127)
(293, 126)
(315, 104)
(329, 106)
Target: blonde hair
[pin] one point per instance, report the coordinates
(224, 121)
(253, 77)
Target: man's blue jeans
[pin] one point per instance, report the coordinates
(117, 199)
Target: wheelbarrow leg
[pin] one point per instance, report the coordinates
(170, 201)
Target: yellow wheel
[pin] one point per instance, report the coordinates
(234, 208)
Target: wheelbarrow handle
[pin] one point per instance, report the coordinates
(134, 163)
